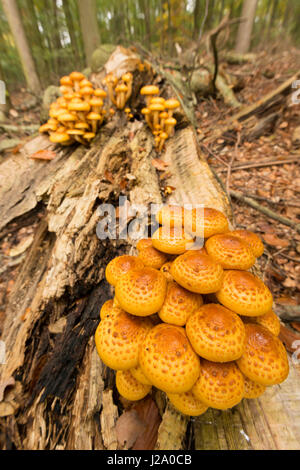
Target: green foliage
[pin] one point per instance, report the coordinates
(52, 29)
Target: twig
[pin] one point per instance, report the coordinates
(262, 164)
(264, 210)
(296, 260)
(234, 155)
(281, 201)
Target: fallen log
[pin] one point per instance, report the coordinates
(56, 393)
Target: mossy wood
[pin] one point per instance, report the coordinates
(55, 393)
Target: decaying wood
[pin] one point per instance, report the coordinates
(61, 395)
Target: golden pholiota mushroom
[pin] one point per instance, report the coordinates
(119, 90)
(265, 359)
(220, 385)
(189, 320)
(168, 360)
(80, 111)
(129, 387)
(158, 115)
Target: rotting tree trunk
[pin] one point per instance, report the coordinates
(11, 10)
(60, 394)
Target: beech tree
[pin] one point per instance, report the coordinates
(243, 39)
(89, 27)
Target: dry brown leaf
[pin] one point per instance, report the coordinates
(273, 240)
(159, 164)
(43, 155)
(128, 427)
(289, 282)
(285, 300)
(287, 336)
(149, 413)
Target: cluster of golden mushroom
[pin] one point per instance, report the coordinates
(78, 113)
(119, 90)
(159, 115)
(191, 321)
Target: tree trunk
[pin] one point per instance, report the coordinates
(197, 18)
(89, 27)
(71, 30)
(146, 11)
(13, 17)
(243, 40)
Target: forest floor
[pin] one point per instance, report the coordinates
(276, 187)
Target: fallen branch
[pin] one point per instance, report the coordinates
(264, 210)
(262, 164)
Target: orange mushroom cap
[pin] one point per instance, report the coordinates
(152, 258)
(139, 375)
(149, 90)
(118, 338)
(252, 239)
(197, 272)
(109, 309)
(179, 305)
(187, 403)
(129, 387)
(141, 291)
(173, 241)
(168, 360)
(205, 222)
(231, 252)
(253, 389)
(143, 243)
(244, 293)
(119, 266)
(216, 333)
(220, 385)
(265, 359)
(270, 321)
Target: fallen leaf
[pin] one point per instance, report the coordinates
(149, 413)
(285, 300)
(283, 125)
(289, 282)
(43, 155)
(160, 165)
(273, 240)
(128, 427)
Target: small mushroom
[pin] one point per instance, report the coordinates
(179, 305)
(167, 359)
(119, 266)
(95, 119)
(265, 359)
(231, 252)
(173, 241)
(139, 375)
(170, 124)
(187, 403)
(152, 258)
(77, 134)
(197, 272)
(155, 109)
(129, 387)
(216, 333)
(121, 91)
(149, 91)
(141, 291)
(171, 105)
(244, 293)
(220, 385)
(81, 108)
(163, 138)
(88, 136)
(60, 138)
(147, 113)
(76, 78)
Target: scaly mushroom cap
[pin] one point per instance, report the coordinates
(252, 239)
(130, 388)
(66, 81)
(172, 104)
(79, 106)
(118, 338)
(179, 305)
(244, 293)
(109, 309)
(149, 90)
(265, 359)
(197, 272)
(216, 333)
(157, 99)
(141, 291)
(187, 403)
(205, 222)
(152, 258)
(253, 389)
(170, 216)
(165, 269)
(220, 385)
(76, 76)
(143, 243)
(173, 241)
(139, 375)
(156, 106)
(168, 360)
(270, 321)
(230, 252)
(119, 266)
(100, 93)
